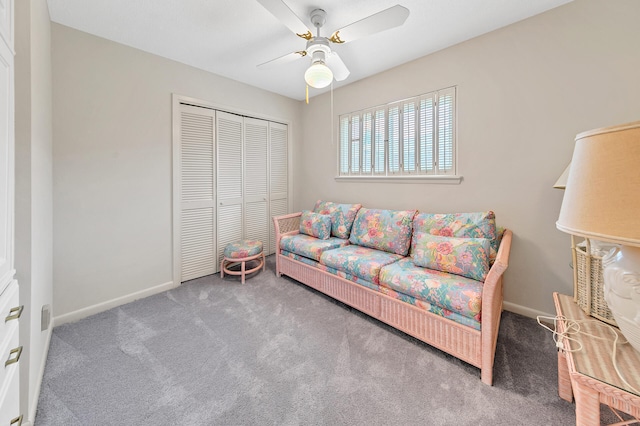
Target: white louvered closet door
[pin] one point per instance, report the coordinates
(278, 176)
(256, 181)
(197, 161)
(229, 143)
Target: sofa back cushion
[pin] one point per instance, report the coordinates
(387, 230)
(316, 225)
(461, 225)
(342, 216)
(468, 257)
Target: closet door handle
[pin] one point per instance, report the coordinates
(17, 421)
(14, 313)
(10, 360)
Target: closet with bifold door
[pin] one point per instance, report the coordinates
(233, 179)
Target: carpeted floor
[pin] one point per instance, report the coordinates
(274, 352)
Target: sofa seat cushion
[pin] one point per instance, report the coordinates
(434, 309)
(350, 277)
(332, 271)
(387, 230)
(429, 307)
(308, 246)
(362, 262)
(452, 292)
(299, 258)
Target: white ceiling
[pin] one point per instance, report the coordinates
(231, 37)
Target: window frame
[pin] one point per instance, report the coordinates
(409, 145)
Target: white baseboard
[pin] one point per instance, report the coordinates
(104, 306)
(35, 396)
(523, 310)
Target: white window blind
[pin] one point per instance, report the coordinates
(344, 145)
(412, 137)
(355, 144)
(379, 144)
(367, 142)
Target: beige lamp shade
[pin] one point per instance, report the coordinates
(561, 183)
(602, 196)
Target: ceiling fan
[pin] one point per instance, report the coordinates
(325, 63)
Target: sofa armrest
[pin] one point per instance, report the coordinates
(287, 224)
(492, 306)
(501, 263)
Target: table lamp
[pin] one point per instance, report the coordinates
(561, 183)
(602, 202)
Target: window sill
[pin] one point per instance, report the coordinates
(451, 180)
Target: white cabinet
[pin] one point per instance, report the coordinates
(6, 22)
(233, 177)
(7, 113)
(10, 312)
(10, 352)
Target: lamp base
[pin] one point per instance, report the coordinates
(622, 290)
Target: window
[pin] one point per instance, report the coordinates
(413, 137)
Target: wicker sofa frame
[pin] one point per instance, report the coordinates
(476, 347)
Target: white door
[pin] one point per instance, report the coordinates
(256, 180)
(278, 176)
(229, 143)
(197, 171)
(6, 164)
(10, 351)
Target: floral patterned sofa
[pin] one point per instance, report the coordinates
(437, 277)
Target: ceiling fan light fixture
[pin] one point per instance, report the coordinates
(318, 75)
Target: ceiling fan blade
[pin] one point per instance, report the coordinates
(339, 69)
(281, 11)
(289, 57)
(388, 18)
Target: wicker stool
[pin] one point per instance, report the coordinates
(242, 252)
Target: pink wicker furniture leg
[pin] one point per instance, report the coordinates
(564, 380)
(472, 346)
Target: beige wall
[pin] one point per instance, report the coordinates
(524, 92)
(112, 162)
(33, 238)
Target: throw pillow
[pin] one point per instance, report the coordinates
(387, 230)
(461, 225)
(342, 216)
(315, 224)
(468, 257)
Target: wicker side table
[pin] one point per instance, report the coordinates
(589, 373)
